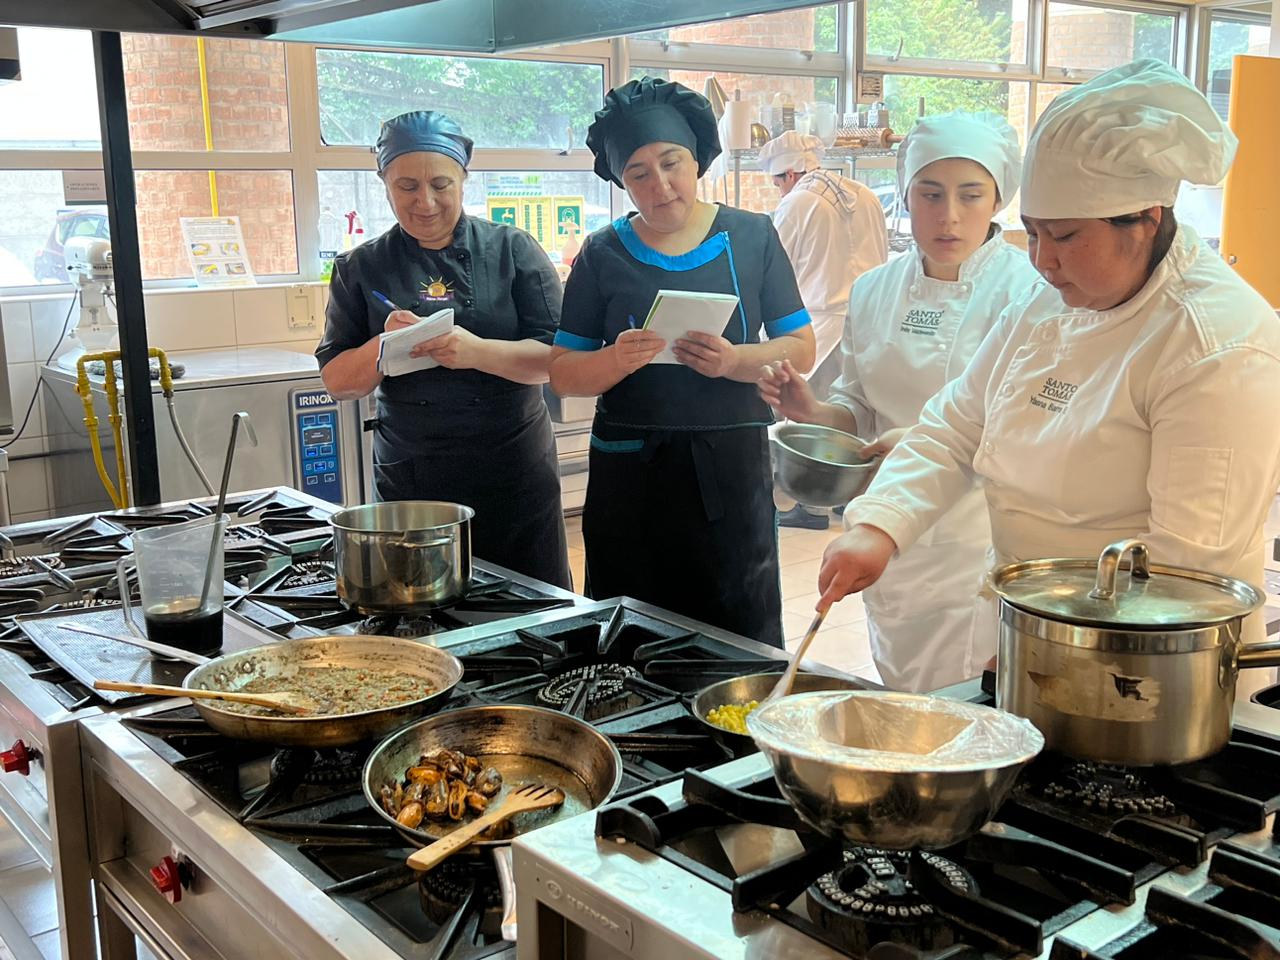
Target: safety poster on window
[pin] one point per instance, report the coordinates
(551, 220)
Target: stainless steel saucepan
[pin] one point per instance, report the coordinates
(896, 770)
(1138, 671)
(402, 556)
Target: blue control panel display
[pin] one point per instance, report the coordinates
(317, 434)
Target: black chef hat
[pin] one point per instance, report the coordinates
(422, 130)
(651, 111)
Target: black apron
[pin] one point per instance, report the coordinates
(508, 474)
(684, 519)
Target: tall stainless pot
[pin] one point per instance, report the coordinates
(402, 556)
(1142, 673)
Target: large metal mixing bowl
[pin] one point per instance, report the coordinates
(894, 770)
(819, 466)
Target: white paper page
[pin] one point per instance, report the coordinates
(393, 351)
(676, 313)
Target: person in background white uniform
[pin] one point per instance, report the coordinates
(833, 230)
(913, 325)
(1130, 393)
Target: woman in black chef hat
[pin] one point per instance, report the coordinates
(679, 508)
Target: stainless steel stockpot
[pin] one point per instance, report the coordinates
(402, 556)
(1139, 671)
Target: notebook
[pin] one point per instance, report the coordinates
(393, 350)
(677, 312)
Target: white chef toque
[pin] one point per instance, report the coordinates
(1121, 143)
(791, 151)
(985, 138)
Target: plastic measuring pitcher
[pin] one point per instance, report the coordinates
(172, 562)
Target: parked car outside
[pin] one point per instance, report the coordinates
(70, 222)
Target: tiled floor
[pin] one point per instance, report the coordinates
(843, 642)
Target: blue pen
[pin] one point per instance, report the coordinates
(631, 321)
(383, 300)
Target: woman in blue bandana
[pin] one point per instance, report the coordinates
(679, 508)
(475, 429)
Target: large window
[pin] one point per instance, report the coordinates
(243, 79)
(499, 103)
(54, 106)
(1229, 37)
(360, 191)
(975, 31)
(1089, 39)
(809, 28)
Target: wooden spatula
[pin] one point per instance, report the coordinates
(284, 702)
(533, 796)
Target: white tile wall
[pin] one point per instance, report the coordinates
(177, 320)
(19, 345)
(183, 321)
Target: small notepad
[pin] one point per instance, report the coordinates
(393, 350)
(676, 313)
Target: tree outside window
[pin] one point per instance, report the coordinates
(499, 103)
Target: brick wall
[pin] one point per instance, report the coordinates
(794, 29)
(1083, 39)
(248, 109)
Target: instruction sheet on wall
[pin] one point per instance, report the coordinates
(216, 251)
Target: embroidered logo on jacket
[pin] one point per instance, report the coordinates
(1055, 396)
(435, 289)
(923, 322)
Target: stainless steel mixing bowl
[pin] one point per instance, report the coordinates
(819, 466)
(894, 770)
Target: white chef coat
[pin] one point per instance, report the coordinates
(833, 230)
(907, 335)
(1158, 419)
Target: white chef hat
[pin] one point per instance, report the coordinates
(1123, 142)
(791, 151)
(985, 138)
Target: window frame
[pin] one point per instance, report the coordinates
(308, 155)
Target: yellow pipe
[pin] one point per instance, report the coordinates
(113, 417)
(208, 121)
(85, 390)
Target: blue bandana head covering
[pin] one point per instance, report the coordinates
(651, 111)
(422, 130)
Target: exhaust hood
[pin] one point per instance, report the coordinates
(473, 26)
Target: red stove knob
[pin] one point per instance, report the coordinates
(167, 878)
(17, 758)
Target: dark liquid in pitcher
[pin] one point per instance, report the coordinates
(199, 632)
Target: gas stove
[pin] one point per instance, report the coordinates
(284, 842)
(1082, 862)
(278, 547)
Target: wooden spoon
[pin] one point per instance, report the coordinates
(783, 686)
(532, 796)
(284, 702)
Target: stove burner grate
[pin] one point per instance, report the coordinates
(870, 900)
(444, 890)
(25, 566)
(332, 767)
(873, 884)
(308, 573)
(393, 625)
(606, 680)
(1107, 789)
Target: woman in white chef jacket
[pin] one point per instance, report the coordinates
(913, 324)
(1131, 393)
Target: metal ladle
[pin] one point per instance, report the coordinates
(215, 540)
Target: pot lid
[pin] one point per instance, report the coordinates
(1146, 597)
